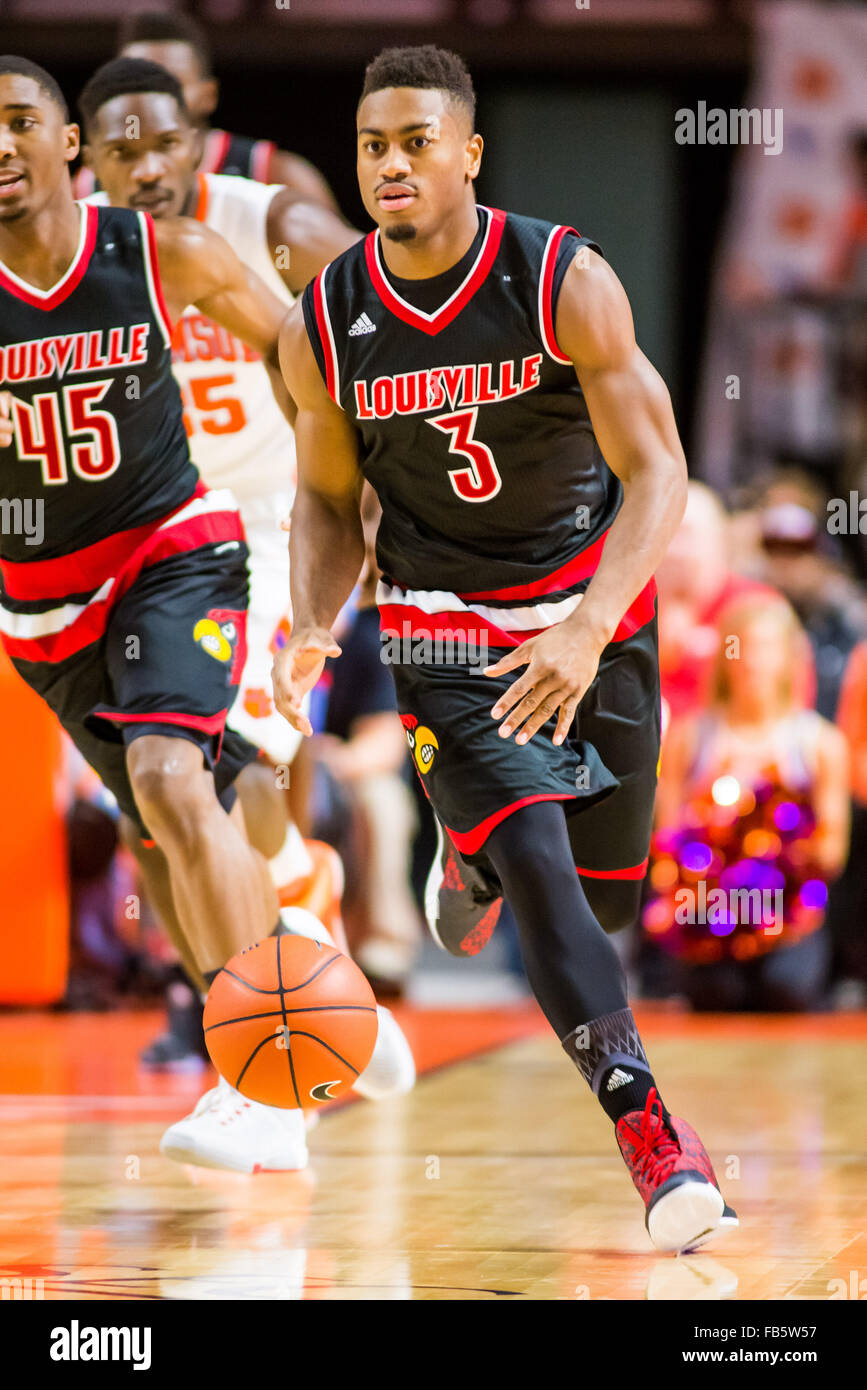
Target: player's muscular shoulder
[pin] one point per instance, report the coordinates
(195, 263)
(594, 321)
(299, 367)
(312, 234)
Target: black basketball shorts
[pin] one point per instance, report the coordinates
(604, 772)
(168, 662)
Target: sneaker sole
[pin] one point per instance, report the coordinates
(188, 1153)
(727, 1222)
(686, 1217)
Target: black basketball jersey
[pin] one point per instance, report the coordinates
(99, 445)
(237, 154)
(473, 428)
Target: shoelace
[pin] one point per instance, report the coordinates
(656, 1151)
(222, 1101)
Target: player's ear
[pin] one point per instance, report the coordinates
(71, 142)
(473, 157)
(209, 95)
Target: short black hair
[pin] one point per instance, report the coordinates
(10, 62)
(421, 66)
(166, 26)
(120, 77)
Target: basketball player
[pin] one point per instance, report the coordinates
(143, 146)
(480, 370)
(179, 44)
(124, 601)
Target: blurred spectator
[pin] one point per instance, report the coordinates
(849, 261)
(697, 578)
(800, 560)
(753, 795)
(847, 915)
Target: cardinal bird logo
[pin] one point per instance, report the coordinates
(423, 743)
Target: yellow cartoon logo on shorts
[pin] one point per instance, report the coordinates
(216, 640)
(422, 742)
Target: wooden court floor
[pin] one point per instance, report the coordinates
(497, 1178)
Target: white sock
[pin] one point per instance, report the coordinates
(299, 922)
(292, 860)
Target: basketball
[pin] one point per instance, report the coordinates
(290, 1022)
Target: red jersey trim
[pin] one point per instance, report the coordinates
(433, 323)
(638, 871)
(90, 625)
(546, 286)
(152, 275)
(85, 569)
(581, 566)
(49, 299)
(202, 198)
(394, 615)
(207, 724)
(260, 162)
(216, 148)
(472, 840)
(326, 337)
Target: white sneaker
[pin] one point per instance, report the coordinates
(391, 1069)
(228, 1131)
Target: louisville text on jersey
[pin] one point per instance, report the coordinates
(480, 383)
(70, 353)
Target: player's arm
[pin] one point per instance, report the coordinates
(326, 542)
(632, 418)
(304, 237)
(197, 266)
(302, 178)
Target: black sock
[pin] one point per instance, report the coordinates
(609, 1055)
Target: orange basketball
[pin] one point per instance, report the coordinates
(290, 1022)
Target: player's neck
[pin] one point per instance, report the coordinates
(40, 249)
(422, 258)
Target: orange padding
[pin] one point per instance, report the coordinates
(34, 886)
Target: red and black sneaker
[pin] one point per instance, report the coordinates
(674, 1176)
(461, 903)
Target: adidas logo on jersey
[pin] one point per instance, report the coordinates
(617, 1079)
(362, 325)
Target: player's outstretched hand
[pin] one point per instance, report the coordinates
(296, 670)
(7, 429)
(561, 665)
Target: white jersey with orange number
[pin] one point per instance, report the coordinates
(239, 439)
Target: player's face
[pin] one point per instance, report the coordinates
(182, 61)
(36, 147)
(417, 158)
(145, 153)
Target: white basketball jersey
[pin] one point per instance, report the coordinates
(239, 438)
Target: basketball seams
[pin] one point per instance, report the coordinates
(302, 1009)
(260, 989)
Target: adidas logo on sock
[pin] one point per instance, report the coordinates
(618, 1078)
(362, 324)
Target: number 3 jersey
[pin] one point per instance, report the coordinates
(472, 424)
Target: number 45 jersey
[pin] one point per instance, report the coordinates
(472, 424)
(99, 446)
(239, 437)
